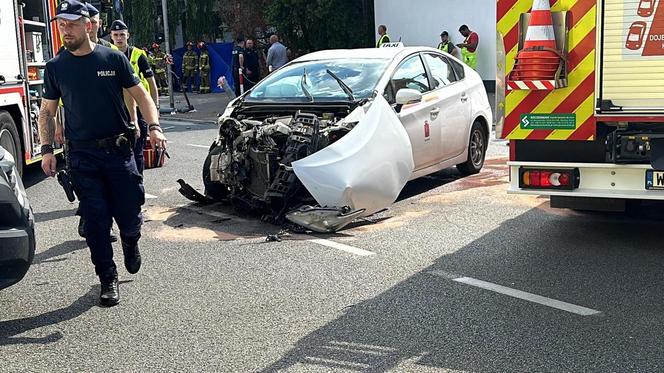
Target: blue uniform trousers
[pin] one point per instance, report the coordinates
(109, 187)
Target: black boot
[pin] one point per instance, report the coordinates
(110, 292)
(132, 257)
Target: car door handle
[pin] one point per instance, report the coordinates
(464, 97)
(434, 113)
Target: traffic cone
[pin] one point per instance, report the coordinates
(539, 58)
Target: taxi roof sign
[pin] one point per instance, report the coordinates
(397, 44)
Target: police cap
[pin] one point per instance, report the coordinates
(118, 25)
(91, 9)
(71, 10)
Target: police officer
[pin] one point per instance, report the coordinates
(90, 82)
(445, 45)
(141, 66)
(204, 64)
(383, 37)
(252, 71)
(238, 63)
(96, 22)
(160, 69)
(189, 67)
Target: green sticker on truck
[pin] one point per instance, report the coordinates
(548, 121)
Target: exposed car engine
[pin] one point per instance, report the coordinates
(250, 163)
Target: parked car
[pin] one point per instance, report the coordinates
(335, 135)
(17, 227)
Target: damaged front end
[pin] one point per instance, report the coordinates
(319, 167)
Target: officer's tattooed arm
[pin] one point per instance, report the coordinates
(46, 121)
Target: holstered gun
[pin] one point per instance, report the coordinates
(64, 179)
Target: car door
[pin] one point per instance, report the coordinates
(416, 117)
(450, 97)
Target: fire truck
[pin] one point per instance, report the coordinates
(27, 42)
(581, 100)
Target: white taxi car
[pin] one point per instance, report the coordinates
(336, 134)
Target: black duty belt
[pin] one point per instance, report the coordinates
(107, 143)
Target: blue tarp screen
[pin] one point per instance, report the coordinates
(221, 60)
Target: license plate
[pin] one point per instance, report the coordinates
(654, 180)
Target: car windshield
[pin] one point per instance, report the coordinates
(361, 76)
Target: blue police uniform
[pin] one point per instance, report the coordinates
(102, 166)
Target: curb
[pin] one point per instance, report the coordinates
(188, 120)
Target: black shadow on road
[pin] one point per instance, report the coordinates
(11, 329)
(41, 217)
(58, 250)
(603, 262)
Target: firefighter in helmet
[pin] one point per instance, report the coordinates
(204, 64)
(159, 59)
(189, 67)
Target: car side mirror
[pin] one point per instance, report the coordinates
(406, 96)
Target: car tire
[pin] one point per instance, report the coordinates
(476, 151)
(10, 140)
(213, 189)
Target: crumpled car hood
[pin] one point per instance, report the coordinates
(366, 169)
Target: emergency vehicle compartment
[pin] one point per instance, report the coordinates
(561, 23)
(630, 66)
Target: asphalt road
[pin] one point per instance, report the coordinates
(401, 291)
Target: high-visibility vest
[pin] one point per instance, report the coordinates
(133, 59)
(443, 46)
(469, 58)
(383, 39)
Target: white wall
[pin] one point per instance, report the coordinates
(420, 22)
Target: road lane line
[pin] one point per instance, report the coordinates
(167, 128)
(530, 297)
(199, 146)
(342, 247)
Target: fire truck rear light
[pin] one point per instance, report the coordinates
(534, 178)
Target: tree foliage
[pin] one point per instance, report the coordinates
(308, 25)
(199, 19)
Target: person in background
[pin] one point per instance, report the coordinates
(238, 63)
(252, 65)
(189, 68)
(204, 65)
(383, 37)
(446, 45)
(277, 55)
(96, 25)
(141, 66)
(159, 58)
(469, 46)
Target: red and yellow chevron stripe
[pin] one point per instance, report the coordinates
(577, 97)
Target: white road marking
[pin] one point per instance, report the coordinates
(150, 196)
(199, 146)
(553, 303)
(168, 128)
(342, 247)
